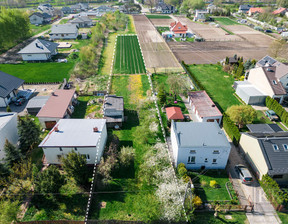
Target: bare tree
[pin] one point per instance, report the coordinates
(151, 4)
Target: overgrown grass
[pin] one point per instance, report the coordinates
(82, 110)
(225, 21)
(283, 217)
(39, 72)
(162, 29)
(39, 29)
(208, 218)
(158, 17)
(217, 83)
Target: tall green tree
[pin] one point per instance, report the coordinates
(162, 94)
(12, 154)
(241, 114)
(49, 181)
(29, 133)
(75, 166)
(178, 84)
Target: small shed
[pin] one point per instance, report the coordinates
(35, 104)
(174, 113)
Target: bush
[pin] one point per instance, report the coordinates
(213, 184)
(182, 171)
(203, 183)
(197, 202)
(126, 156)
(181, 165)
(231, 129)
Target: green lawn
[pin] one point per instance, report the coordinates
(128, 59)
(63, 21)
(162, 29)
(39, 72)
(158, 17)
(188, 39)
(217, 83)
(225, 21)
(206, 192)
(39, 29)
(227, 31)
(208, 218)
(283, 217)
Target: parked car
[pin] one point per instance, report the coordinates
(268, 31)
(20, 101)
(272, 115)
(244, 174)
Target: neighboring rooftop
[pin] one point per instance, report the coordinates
(74, 133)
(8, 83)
(39, 46)
(178, 27)
(249, 88)
(278, 11)
(57, 104)
(37, 102)
(174, 113)
(204, 105)
(267, 59)
(276, 86)
(264, 128)
(255, 10)
(245, 7)
(114, 102)
(81, 19)
(64, 28)
(199, 134)
(5, 117)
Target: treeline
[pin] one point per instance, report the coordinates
(278, 109)
(14, 27)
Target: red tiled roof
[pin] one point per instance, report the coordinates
(254, 10)
(278, 11)
(178, 27)
(57, 104)
(174, 113)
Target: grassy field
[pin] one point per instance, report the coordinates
(217, 83)
(206, 192)
(39, 72)
(188, 39)
(225, 21)
(162, 29)
(82, 110)
(227, 31)
(208, 218)
(38, 29)
(283, 217)
(158, 17)
(128, 59)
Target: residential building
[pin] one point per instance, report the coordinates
(66, 10)
(165, 8)
(46, 8)
(85, 136)
(203, 107)
(114, 110)
(178, 29)
(8, 88)
(200, 15)
(39, 50)
(103, 9)
(38, 18)
(244, 8)
(253, 11)
(58, 106)
(64, 31)
(267, 153)
(79, 7)
(35, 104)
(174, 113)
(82, 21)
(280, 11)
(211, 8)
(8, 130)
(199, 145)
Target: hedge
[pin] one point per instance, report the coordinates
(231, 129)
(196, 82)
(279, 110)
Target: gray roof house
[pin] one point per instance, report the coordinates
(64, 31)
(39, 50)
(82, 21)
(267, 153)
(37, 18)
(103, 9)
(35, 104)
(85, 136)
(66, 10)
(244, 8)
(264, 128)
(165, 8)
(199, 145)
(114, 110)
(8, 88)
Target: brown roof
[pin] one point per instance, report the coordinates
(57, 104)
(203, 104)
(276, 86)
(174, 113)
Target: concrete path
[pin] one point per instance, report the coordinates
(191, 114)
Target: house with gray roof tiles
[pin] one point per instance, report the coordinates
(64, 31)
(199, 145)
(39, 50)
(82, 21)
(85, 136)
(114, 110)
(267, 153)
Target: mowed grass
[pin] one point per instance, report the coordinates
(39, 72)
(128, 58)
(217, 83)
(158, 17)
(225, 21)
(208, 218)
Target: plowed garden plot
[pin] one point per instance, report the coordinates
(128, 59)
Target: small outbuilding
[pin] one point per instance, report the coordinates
(114, 110)
(174, 113)
(35, 104)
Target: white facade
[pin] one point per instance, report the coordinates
(5, 101)
(200, 15)
(36, 20)
(38, 57)
(8, 130)
(199, 157)
(64, 36)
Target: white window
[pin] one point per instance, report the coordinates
(216, 152)
(285, 146)
(191, 159)
(275, 147)
(192, 151)
(214, 161)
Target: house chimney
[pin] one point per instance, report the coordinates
(53, 94)
(95, 129)
(56, 129)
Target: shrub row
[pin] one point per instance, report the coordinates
(279, 110)
(231, 129)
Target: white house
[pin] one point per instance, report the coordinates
(203, 107)
(199, 145)
(86, 136)
(58, 106)
(165, 8)
(39, 50)
(64, 31)
(8, 130)
(200, 15)
(8, 88)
